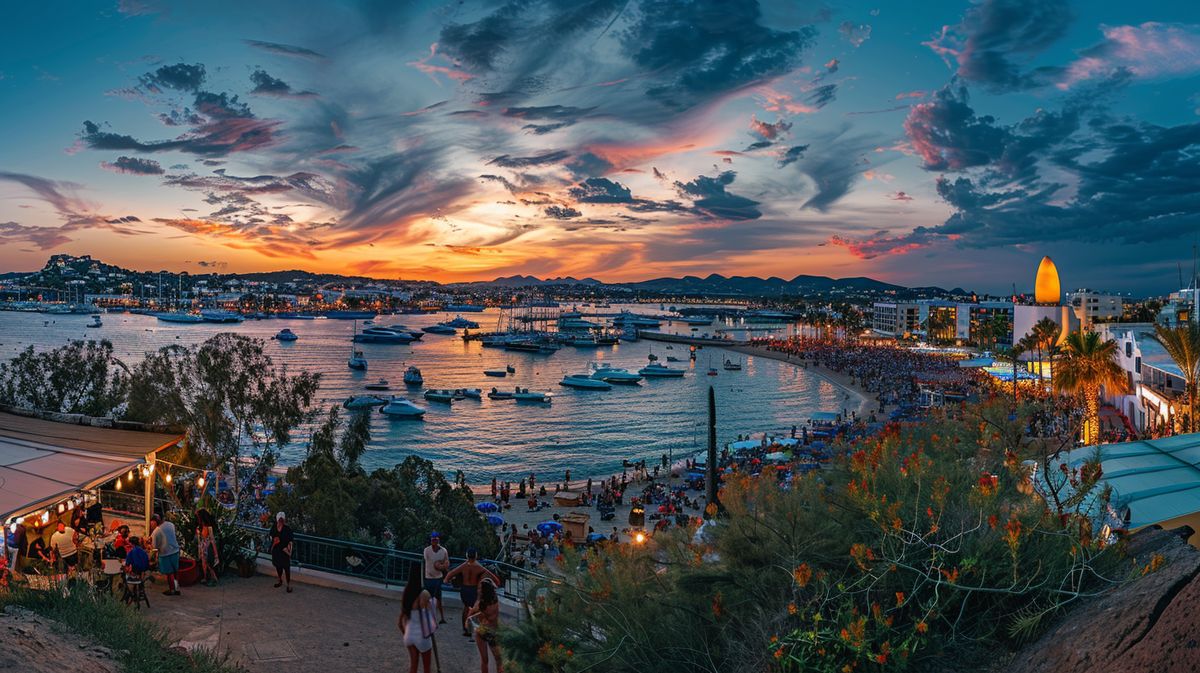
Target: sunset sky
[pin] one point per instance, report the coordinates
(945, 142)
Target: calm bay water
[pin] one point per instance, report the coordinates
(589, 432)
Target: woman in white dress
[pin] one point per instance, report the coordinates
(418, 620)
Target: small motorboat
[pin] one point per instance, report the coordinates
(381, 384)
(712, 371)
(672, 358)
(412, 377)
(357, 361)
(602, 372)
(363, 402)
(285, 334)
(471, 393)
(731, 366)
(445, 396)
(461, 323)
(656, 370)
(498, 373)
(95, 322)
(383, 335)
(499, 395)
(439, 329)
(526, 395)
(402, 408)
(584, 382)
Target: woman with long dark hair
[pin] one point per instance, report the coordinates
(487, 612)
(417, 619)
(206, 546)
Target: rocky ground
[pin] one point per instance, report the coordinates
(33, 644)
(1150, 624)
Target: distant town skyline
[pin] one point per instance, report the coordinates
(949, 144)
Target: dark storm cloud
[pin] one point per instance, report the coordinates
(550, 157)
(822, 95)
(284, 49)
(543, 129)
(216, 138)
(502, 180)
(600, 190)
(266, 85)
(700, 48)
(792, 155)
(219, 123)
(997, 38)
(710, 196)
(562, 212)
(760, 145)
(180, 76)
(1070, 175)
(558, 113)
(947, 134)
(133, 166)
(834, 162)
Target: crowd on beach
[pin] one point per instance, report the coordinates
(892, 373)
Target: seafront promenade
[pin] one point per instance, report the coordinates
(314, 629)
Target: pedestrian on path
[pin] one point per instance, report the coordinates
(167, 543)
(471, 572)
(437, 563)
(487, 613)
(416, 620)
(282, 539)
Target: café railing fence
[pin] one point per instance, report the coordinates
(384, 565)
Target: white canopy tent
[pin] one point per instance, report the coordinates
(44, 462)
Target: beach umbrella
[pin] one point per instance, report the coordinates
(495, 520)
(695, 475)
(487, 507)
(548, 527)
(595, 537)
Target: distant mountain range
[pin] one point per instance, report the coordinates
(716, 284)
(711, 285)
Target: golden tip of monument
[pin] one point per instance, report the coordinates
(1046, 287)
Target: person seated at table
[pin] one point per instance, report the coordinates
(137, 561)
(37, 550)
(64, 543)
(121, 544)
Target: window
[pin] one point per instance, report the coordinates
(1137, 365)
(1128, 349)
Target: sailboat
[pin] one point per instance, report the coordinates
(357, 359)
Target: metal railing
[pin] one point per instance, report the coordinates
(389, 567)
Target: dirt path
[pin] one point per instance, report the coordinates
(34, 644)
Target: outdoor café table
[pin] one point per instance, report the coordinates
(111, 571)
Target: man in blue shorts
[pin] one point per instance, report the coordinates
(437, 562)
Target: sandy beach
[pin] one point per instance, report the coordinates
(860, 401)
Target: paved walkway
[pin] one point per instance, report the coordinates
(313, 629)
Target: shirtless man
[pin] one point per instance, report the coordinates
(472, 572)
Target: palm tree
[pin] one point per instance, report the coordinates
(1018, 349)
(1044, 337)
(1087, 365)
(1182, 343)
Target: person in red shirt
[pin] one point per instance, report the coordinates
(121, 544)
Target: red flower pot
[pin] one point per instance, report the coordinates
(189, 572)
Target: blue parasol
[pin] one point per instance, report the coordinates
(548, 527)
(487, 507)
(495, 520)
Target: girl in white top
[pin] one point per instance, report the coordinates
(418, 620)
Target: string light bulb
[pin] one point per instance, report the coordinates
(118, 483)
(167, 477)
(130, 475)
(46, 516)
(200, 482)
(61, 508)
(71, 505)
